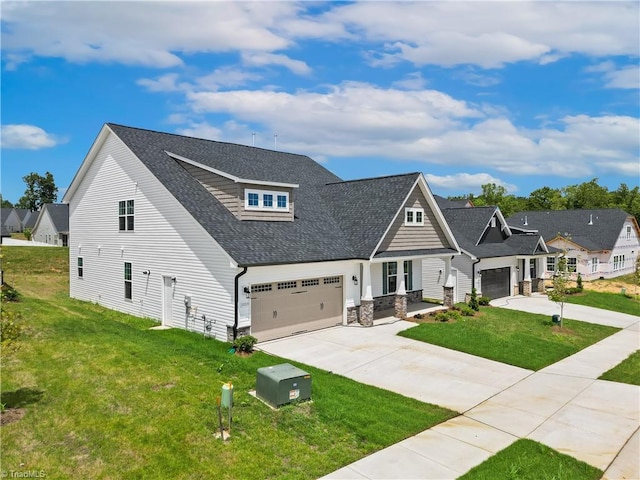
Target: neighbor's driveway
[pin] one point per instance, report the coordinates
(562, 406)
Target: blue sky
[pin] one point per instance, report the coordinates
(521, 94)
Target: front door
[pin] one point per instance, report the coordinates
(167, 300)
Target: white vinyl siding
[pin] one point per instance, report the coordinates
(167, 241)
(46, 231)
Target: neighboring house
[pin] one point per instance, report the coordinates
(11, 220)
(4, 233)
(24, 214)
(30, 221)
(228, 239)
(599, 243)
(446, 203)
(496, 260)
(52, 225)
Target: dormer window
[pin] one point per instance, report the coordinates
(264, 200)
(414, 217)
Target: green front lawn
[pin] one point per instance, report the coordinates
(517, 338)
(608, 301)
(627, 371)
(529, 460)
(105, 397)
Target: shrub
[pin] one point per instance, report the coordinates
(467, 311)
(473, 301)
(27, 233)
(579, 285)
(245, 343)
(484, 301)
(447, 316)
(10, 328)
(9, 294)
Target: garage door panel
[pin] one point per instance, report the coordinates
(495, 283)
(284, 308)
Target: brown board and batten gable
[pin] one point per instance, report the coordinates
(426, 234)
(232, 192)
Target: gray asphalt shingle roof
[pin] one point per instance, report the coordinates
(468, 224)
(601, 234)
(59, 213)
(334, 220)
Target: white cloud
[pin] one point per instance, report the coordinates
(361, 120)
(201, 130)
(141, 33)
(490, 34)
(265, 59)
(469, 182)
(413, 81)
(162, 34)
(28, 137)
(627, 77)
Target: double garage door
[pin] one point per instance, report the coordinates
(495, 283)
(284, 308)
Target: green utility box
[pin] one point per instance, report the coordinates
(282, 384)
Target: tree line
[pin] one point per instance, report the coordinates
(581, 196)
(40, 189)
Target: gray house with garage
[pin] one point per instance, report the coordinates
(228, 239)
(497, 260)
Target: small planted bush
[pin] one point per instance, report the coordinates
(484, 301)
(245, 343)
(473, 301)
(9, 294)
(467, 311)
(448, 316)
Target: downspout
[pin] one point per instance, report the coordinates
(236, 313)
(473, 273)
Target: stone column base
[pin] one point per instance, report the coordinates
(366, 312)
(448, 296)
(526, 288)
(352, 314)
(400, 307)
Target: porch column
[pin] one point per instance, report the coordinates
(448, 295)
(400, 303)
(541, 266)
(366, 302)
(526, 283)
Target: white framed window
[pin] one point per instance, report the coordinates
(414, 216)
(389, 277)
(80, 267)
(594, 265)
(572, 264)
(551, 264)
(618, 262)
(125, 215)
(128, 281)
(264, 200)
(628, 232)
(408, 274)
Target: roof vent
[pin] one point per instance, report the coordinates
(526, 221)
(590, 219)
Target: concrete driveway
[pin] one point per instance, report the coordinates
(377, 356)
(562, 406)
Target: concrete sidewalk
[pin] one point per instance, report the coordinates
(562, 406)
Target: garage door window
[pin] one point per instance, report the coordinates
(285, 285)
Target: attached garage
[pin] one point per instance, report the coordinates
(495, 282)
(281, 309)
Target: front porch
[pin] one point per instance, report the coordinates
(412, 309)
